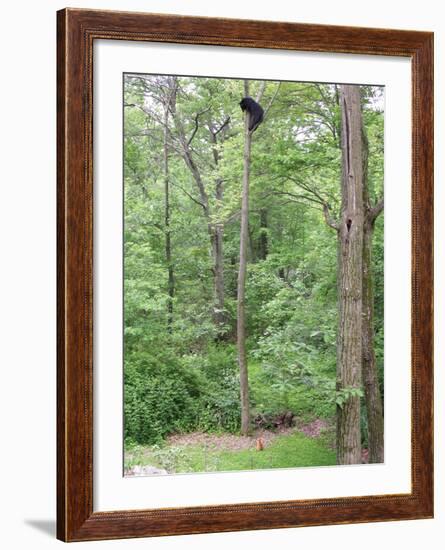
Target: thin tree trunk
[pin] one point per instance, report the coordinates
(215, 230)
(373, 398)
(168, 248)
(168, 253)
(263, 248)
(217, 238)
(219, 317)
(350, 251)
(241, 311)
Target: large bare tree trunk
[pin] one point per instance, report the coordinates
(241, 310)
(350, 251)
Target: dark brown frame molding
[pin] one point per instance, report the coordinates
(76, 32)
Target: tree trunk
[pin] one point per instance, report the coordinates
(373, 398)
(219, 317)
(241, 312)
(215, 229)
(350, 251)
(168, 249)
(263, 245)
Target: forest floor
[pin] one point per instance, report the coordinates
(305, 444)
(233, 442)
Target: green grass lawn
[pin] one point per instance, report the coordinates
(287, 451)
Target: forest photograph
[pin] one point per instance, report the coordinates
(253, 269)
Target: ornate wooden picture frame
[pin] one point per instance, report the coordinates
(77, 31)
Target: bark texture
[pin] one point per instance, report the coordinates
(350, 250)
(373, 398)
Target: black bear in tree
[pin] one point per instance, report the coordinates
(255, 111)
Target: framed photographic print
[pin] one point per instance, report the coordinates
(245, 225)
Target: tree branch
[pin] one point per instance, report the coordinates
(308, 188)
(376, 210)
(295, 196)
(223, 125)
(260, 91)
(190, 196)
(196, 125)
(151, 115)
(329, 219)
(271, 101)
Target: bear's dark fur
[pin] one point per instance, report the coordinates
(256, 112)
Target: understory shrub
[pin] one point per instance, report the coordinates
(166, 394)
(160, 397)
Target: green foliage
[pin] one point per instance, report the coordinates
(344, 394)
(160, 397)
(219, 407)
(164, 394)
(182, 375)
